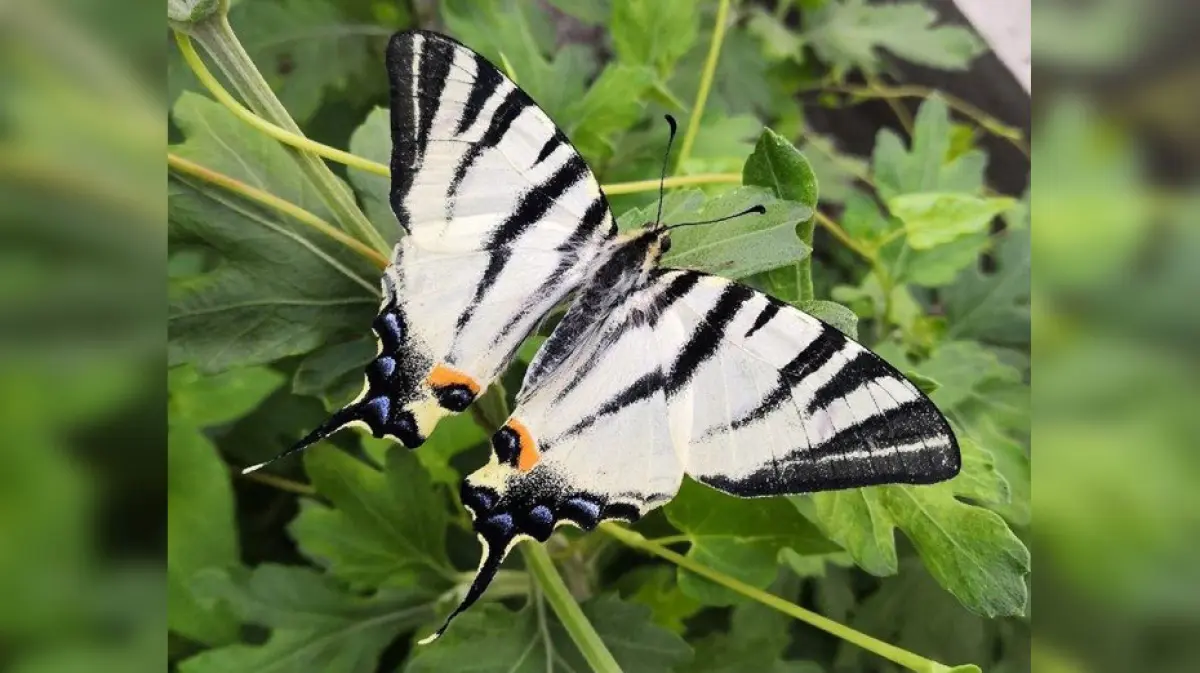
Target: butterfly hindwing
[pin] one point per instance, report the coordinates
(504, 219)
(589, 439)
(768, 400)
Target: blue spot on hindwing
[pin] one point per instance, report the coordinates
(582, 511)
(542, 514)
(390, 330)
(501, 523)
(375, 413)
(384, 366)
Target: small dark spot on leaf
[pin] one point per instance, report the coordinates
(285, 64)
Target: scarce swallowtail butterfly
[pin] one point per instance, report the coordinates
(652, 373)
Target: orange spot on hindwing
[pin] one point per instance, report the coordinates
(443, 376)
(454, 390)
(527, 453)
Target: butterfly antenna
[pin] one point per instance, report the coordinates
(662, 180)
(759, 210)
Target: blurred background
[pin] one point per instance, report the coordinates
(82, 329)
(1115, 239)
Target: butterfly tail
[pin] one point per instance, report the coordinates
(493, 556)
(337, 421)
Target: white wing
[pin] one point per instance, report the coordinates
(589, 439)
(766, 399)
(504, 220)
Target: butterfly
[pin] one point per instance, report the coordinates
(652, 373)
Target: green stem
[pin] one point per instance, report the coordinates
(187, 167)
(804, 266)
(890, 652)
(219, 40)
(282, 135)
(538, 562)
(706, 78)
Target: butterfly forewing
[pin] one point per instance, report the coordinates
(504, 219)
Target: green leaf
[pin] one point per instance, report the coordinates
(493, 639)
(741, 85)
(961, 368)
(592, 12)
(911, 612)
(857, 519)
(736, 248)
(839, 172)
(934, 219)
(657, 587)
(757, 639)
(833, 313)
(929, 165)
(997, 419)
(280, 289)
(454, 435)
(654, 33)
(201, 533)
(373, 140)
(848, 33)
(937, 266)
(203, 401)
(777, 164)
(522, 33)
(383, 529)
(979, 480)
(993, 306)
(738, 537)
(969, 550)
(611, 105)
(305, 49)
(922, 382)
(316, 625)
(778, 42)
(334, 373)
(722, 144)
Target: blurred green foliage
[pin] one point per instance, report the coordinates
(339, 564)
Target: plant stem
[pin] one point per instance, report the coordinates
(219, 40)
(273, 202)
(282, 135)
(902, 114)
(890, 652)
(804, 283)
(278, 482)
(569, 613)
(841, 235)
(706, 78)
(986, 121)
(681, 181)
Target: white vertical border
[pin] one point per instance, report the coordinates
(1006, 26)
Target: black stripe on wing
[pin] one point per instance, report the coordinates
(814, 356)
(859, 456)
(534, 205)
(487, 81)
(514, 103)
(705, 340)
